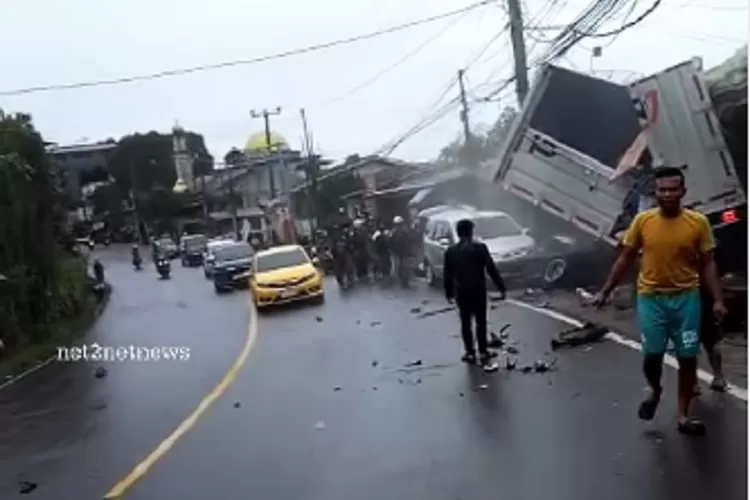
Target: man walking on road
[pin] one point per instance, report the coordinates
(677, 253)
(464, 267)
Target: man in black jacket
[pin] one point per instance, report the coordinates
(464, 267)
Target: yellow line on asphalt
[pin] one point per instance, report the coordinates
(142, 468)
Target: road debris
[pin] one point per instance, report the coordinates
(415, 310)
(319, 319)
(376, 323)
(237, 404)
(588, 333)
(491, 367)
(482, 387)
(26, 487)
(320, 425)
(541, 366)
(510, 364)
(495, 342)
(435, 312)
(337, 388)
(416, 362)
(100, 372)
(511, 349)
(425, 302)
(374, 363)
(99, 406)
(526, 369)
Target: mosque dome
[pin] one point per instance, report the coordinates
(256, 143)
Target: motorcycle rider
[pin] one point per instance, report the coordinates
(136, 253)
(401, 242)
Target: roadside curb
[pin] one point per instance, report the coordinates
(98, 311)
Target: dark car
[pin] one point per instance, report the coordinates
(232, 266)
(192, 248)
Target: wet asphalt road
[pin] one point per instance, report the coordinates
(328, 409)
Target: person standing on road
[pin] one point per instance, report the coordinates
(464, 267)
(677, 253)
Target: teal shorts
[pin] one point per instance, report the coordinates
(675, 317)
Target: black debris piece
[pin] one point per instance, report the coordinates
(374, 363)
(375, 323)
(416, 362)
(510, 364)
(425, 302)
(99, 406)
(504, 331)
(415, 310)
(237, 404)
(359, 322)
(576, 395)
(461, 394)
(493, 307)
(374, 388)
(588, 333)
(526, 369)
(100, 372)
(541, 366)
(495, 342)
(511, 350)
(26, 487)
(319, 319)
(337, 388)
(435, 312)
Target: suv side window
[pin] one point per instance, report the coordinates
(446, 233)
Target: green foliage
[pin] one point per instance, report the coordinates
(43, 283)
(482, 146)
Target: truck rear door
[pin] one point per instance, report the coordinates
(563, 179)
(682, 129)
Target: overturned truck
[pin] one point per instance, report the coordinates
(581, 148)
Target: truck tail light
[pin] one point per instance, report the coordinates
(729, 216)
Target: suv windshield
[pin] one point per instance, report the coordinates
(165, 242)
(195, 242)
(234, 251)
(278, 260)
(496, 226)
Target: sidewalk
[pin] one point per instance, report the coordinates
(620, 318)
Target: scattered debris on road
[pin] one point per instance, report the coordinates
(374, 363)
(510, 363)
(319, 319)
(26, 487)
(425, 302)
(237, 404)
(320, 425)
(100, 372)
(416, 362)
(415, 310)
(586, 334)
(511, 349)
(482, 387)
(99, 406)
(337, 388)
(436, 312)
(376, 323)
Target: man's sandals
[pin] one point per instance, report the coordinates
(687, 426)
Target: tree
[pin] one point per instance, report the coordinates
(482, 146)
(43, 284)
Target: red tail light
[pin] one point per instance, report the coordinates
(729, 216)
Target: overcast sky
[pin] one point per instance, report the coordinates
(51, 42)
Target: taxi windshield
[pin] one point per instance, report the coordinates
(280, 260)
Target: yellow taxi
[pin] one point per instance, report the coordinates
(284, 274)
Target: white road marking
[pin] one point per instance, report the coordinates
(704, 376)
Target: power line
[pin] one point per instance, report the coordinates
(397, 63)
(245, 62)
(627, 25)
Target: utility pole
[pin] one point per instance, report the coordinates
(464, 109)
(265, 114)
(312, 173)
(133, 200)
(519, 49)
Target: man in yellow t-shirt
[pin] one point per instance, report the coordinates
(676, 247)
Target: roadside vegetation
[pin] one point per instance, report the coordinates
(45, 293)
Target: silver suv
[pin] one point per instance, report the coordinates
(506, 240)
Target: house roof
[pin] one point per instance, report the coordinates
(81, 148)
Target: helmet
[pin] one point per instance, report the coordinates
(398, 219)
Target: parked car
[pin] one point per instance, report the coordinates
(285, 274)
(192, 248)
(506, 240)
(232, 265)
(210, 256)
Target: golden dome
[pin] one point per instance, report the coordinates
(257, 143)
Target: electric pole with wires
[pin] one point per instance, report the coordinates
(311, 171)
(519, 50)
(265, 114)
(464, 109)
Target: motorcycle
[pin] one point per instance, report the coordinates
(163, 267)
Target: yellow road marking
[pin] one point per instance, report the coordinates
(142, 468)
